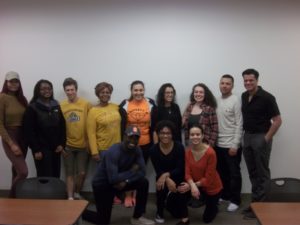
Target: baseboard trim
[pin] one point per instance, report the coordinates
(4, 193)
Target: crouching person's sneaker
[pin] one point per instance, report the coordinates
(159, 219)
(141, 221)
(232, 207)
(249, 216)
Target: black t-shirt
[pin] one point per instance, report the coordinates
(172, 114)
(172, 162)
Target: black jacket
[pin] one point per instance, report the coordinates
(44, 126)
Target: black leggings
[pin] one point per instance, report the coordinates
(211, 207)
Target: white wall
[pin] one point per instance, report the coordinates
(183, 42)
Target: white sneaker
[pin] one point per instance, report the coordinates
(159, 219)
(232, 207)
(77, 196)
(141, 221)
(221, 200)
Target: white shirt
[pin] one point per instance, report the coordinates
(230, 122)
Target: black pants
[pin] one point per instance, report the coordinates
(175, 203)
(104, 196)
(49, 165)
(211, 206)
(230, 172)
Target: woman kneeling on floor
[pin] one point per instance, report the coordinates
(201, 175)
(167, 157)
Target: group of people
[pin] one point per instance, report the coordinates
(202, 163)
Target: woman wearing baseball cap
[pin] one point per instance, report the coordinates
(12, 108)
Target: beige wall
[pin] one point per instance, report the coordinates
(158, 41)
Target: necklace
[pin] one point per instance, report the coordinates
(168, 109)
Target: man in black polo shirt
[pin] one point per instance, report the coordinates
(261, 121)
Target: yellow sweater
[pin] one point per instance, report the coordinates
(76, 115)
(103, 127)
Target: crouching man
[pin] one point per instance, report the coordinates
(121, 169)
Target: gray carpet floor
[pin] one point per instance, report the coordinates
(122, 215)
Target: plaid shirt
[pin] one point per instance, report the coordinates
(208, 120)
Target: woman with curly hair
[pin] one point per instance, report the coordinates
(202, 110)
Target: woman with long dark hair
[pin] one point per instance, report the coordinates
(12, 107)
(168, 109)
(45, 128)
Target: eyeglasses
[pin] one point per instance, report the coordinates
(165, 133)
(105, 93)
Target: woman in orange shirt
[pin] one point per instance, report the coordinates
(201, 174)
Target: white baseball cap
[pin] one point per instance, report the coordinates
(12, 75)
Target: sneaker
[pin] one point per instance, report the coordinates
(159, 219)
(141, 221)
(70, 198)
(232, 207)
(117, 201)
(221, 200)
(249, 216)
(77, 196)
(246, 210)
(183, 223)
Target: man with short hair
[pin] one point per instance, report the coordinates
(262, 119)
(75, 154)
(228, 143)
(122, 168)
